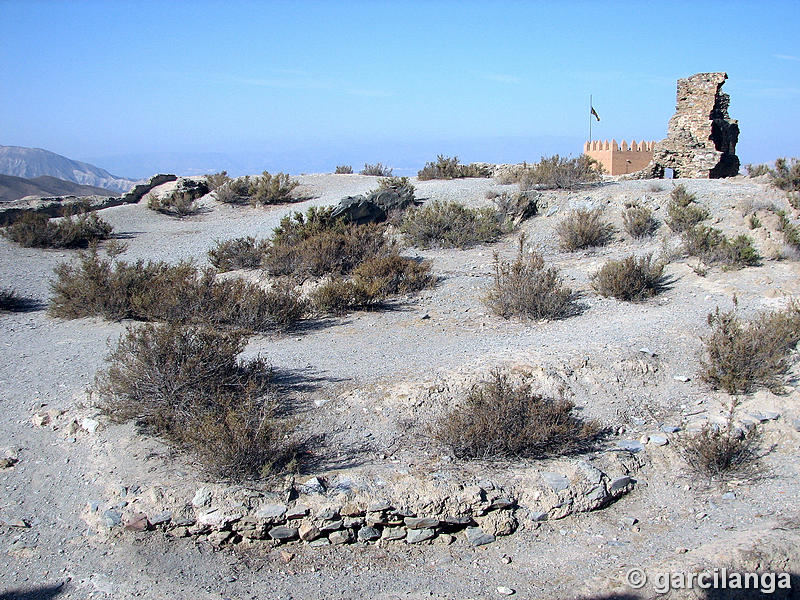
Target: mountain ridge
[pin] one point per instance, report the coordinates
(29, 163)
(14, 188)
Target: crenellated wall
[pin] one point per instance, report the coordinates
(620, 159)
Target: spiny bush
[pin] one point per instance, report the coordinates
(683, 211)
(401, 185)
(178, 203)
(526, 288)
(372, 283)
(555, 172)
(451, 225)
(753, 222)
(235, 191)
(786, 174)
(502, 420)
(217, 180)
(344, 170)
(631, 278)
(238, 253)
(713, 246)
(757, 170)
(584, 229)
(742, 355)
(187, 386)
(721, 452)
(260, 190)
(639, 222)
(158, 291)
(790, 231)
(450, 168)
(311, 247)
(35, 230)
(376, 169)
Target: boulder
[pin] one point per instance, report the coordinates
(375, 207)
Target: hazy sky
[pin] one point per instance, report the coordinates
(303, 86)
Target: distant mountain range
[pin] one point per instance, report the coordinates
(14, 188)
(32, 163)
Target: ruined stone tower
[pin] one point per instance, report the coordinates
(701, 137)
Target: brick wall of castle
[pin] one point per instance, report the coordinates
(620, 159)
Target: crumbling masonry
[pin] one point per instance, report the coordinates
(701, 137)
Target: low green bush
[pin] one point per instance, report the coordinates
(178, 203)
(639, 221)
(376, 169)
(238, 253)
(344, 170)
(712, 246)
(683, 210)
(262, 190)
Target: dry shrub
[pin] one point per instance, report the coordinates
(721, 452)
(187, 386)
(584, 229)
(235, 191)
(499, 419)
(344, 170)
(336, 251)
(555, 172)
(790, 231)
(526, 288)
(713, 246)
(35, 230)
(376, 169)
(158, 291)
(786, 175)
(639, 222)
(179, 203)
(450, 168)
(683, 211)
(753, 222)
(757, 170)
(217, 180)
(238, 253)
(451, 225)
(372, 283)
(740, 356)
(631, 278)
(260, 190)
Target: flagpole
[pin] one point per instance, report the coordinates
(590, 119)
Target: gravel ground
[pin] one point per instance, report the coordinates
(353, 374)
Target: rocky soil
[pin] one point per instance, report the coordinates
(369, 385)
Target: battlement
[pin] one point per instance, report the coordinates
(620, 159)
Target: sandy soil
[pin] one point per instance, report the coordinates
(355, 378)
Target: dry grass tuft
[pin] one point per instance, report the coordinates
(740, 356)
(631, 278)
(584, 229)
(501, 420)
(187, 386)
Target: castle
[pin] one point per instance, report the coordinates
(619, 159)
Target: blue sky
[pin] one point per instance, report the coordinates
(137, 87)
